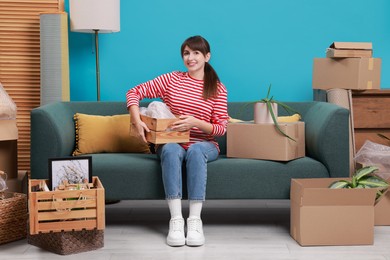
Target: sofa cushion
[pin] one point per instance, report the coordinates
(237, 178)
(129, 175)
(106, 134)
(227, 178)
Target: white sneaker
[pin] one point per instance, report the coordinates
(176, 232)
(195, 235)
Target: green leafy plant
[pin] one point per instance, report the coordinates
(361, 179)
(269, 100)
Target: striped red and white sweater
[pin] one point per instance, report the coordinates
(183, 95)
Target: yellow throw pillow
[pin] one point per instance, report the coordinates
(106, 134)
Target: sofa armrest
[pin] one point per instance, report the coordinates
(327, 137)
(52, 135)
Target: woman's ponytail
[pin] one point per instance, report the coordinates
(211, 79)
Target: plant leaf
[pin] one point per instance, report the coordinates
(373, 182)
(275, 120)
(287, 108)
(364, 171)
(339, 184)
(360, 186)
(379, 194)
(269, 90)
(354, 181)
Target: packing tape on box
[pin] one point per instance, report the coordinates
(371, 64)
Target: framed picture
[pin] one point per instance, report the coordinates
(72, 169)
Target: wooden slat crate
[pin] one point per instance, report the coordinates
(163, 137)
(158, 124)
(66, 210)
(160, 132)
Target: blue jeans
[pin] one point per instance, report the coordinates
(172, 157)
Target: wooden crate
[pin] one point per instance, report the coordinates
(158, 124)
(66, 210)
(160, 132)
(163, 137)
(371, 115)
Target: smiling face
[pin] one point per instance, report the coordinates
(194, 61)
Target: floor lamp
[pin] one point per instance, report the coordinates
(95, 16)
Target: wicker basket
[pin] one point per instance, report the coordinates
(13, 216)
(68, 242)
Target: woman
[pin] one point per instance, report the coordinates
(200, 100)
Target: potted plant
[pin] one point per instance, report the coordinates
(266, 111)
(363, 178)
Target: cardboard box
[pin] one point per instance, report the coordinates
(263, 141)
(9, 158)
(346, 73)
(8, 148)
(349, 49)
(323, 216)
(160, 131)
(8, 130)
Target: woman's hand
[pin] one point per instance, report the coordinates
(185, 123)
(138, 130)
(137, 127)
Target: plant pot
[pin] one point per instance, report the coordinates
(262, 114)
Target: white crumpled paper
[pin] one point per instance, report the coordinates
(7, 106)
(376, 155)
(157, 109)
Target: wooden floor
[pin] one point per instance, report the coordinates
(233, 230)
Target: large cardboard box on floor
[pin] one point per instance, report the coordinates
(8, 147)
(263, 141)
(349, 49)
(160, 132)
(347, 73)
(323, 216)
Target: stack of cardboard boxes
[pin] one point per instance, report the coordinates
(324, 216)
(348, 65)
(8, 143)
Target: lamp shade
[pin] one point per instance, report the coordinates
(87, 16)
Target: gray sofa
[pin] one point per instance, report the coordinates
(133, 176)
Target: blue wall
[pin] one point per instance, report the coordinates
(253, 43)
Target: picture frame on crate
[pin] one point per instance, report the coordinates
(69, 170)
